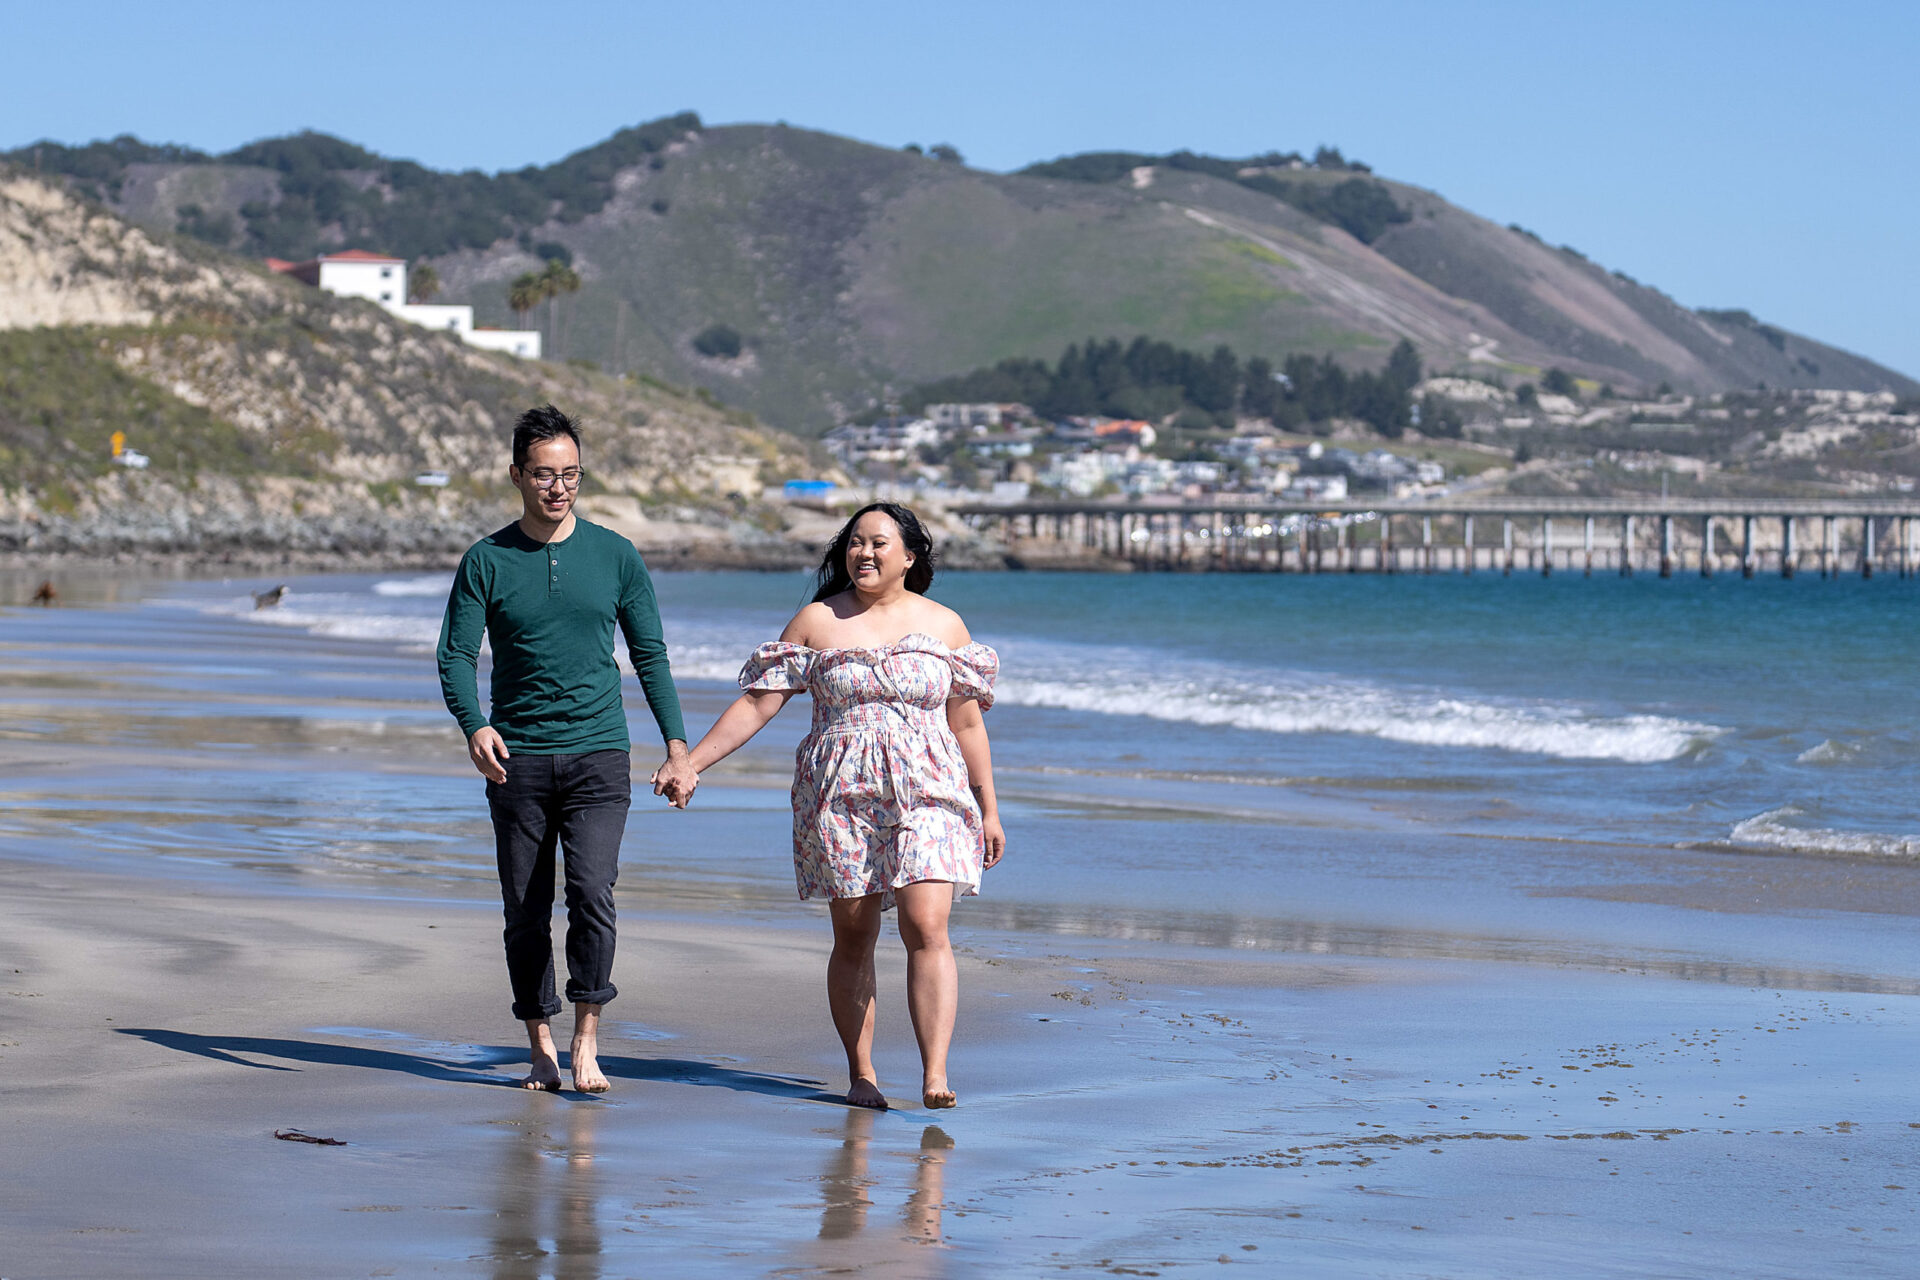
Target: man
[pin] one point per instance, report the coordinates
(548, 591)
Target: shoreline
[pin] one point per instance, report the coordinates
(1348, 1029)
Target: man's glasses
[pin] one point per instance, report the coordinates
(544, 479)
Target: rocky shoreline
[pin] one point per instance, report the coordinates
(419, 538)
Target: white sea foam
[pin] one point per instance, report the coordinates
(339, 616)
(1123, 681)
(1830, 751)
(433, 584)
(1115, 680)
(1779, 829)
(1398, 716)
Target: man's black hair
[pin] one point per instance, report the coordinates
(536, 426)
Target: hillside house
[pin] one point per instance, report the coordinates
(356, 273)
(977, 418)
(896, 438)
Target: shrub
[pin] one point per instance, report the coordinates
(718, 342)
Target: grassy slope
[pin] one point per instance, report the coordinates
(851, 268)
(1597, 322)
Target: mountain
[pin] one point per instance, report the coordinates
(849, 272)
(279, 419)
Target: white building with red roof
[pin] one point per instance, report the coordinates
(356, 273)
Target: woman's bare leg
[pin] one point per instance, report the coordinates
(933, 984)
(856, 928)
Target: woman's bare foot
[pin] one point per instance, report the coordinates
(865, 1093)
(935, 1095)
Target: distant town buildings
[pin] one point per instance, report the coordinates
(1002, 452)
(356, 273)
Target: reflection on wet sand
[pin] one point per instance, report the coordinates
(848, 1185)
(546, 1217)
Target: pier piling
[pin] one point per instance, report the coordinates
(1232, 535)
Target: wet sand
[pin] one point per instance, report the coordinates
(1152, 1107)
(247, 890)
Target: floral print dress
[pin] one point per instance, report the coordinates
(880, 794)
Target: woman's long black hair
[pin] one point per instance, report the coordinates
(833, 577)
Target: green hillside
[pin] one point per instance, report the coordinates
(851, 272)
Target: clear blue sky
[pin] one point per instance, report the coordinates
(1758, 154)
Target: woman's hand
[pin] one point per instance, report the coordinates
(995, 839)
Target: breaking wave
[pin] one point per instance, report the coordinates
(1780, 829)
(1115, 680)
(1111, 680)
(434, 584)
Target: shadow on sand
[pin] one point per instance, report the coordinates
(466, 1070)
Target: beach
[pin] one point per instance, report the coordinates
(1454, 928)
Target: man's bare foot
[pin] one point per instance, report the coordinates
(544, 1077)
(935, 1095)
(865, 1093)
(587, 1076)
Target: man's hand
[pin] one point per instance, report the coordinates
(488, 753)
(676, 778)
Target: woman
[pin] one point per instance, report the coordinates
(893, 800)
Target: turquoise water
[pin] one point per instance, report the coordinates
(1273, 741)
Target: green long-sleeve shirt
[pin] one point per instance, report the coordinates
(549, 610)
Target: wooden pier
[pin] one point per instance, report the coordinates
(1533, 535)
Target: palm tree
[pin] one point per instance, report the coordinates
(557, 279)
(423, 282)
(523, 295)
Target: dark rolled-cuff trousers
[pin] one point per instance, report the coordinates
(575, 805)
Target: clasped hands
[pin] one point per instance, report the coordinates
(676, 778)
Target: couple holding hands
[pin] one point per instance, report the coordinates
(893, 801)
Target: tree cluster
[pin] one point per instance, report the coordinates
(1362, 207)
(1155, 380)
(1315, 392)
(549, 285)
(396, 205)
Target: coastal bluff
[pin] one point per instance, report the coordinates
(268, 422)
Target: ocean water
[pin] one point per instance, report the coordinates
(1757, 715)
(1496, 755)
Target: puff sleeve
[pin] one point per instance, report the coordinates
(975, 668)
(777, 665)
